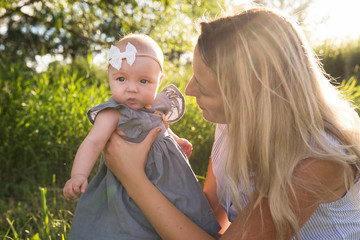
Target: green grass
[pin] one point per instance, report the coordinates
(48, 222)
(47, 215)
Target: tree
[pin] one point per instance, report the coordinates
(76, 28)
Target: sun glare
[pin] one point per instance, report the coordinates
(333, 19)
(329, 19)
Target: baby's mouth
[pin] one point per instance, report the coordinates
(131, 100)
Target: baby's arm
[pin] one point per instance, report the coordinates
(89, 150)
(185, 145)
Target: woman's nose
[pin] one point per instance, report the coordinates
(190, 88)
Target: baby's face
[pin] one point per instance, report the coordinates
(135, 86)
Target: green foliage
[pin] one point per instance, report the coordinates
(76, 28)
(43, 121)
(351, 91)
(340, 61)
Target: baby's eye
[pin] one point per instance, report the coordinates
(120, 79)
(144, 81)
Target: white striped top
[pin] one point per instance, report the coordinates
(330, 221)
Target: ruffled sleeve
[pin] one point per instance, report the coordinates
(93, 112)
(170, 102)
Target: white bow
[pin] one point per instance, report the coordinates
(116, 56)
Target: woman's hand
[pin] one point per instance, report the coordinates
(127, 160)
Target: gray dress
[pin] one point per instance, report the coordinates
(105, 211)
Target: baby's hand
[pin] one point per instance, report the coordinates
(185, 145)
(75, 185)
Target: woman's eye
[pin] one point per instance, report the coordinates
(143, 81)
(120, 79)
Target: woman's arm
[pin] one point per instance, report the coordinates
(170, 223)
(167, 220)
(210, 191)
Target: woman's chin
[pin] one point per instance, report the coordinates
(207, 117)
(214, 119)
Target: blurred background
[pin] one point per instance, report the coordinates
(53, 56)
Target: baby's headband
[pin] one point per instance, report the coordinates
(116, 56)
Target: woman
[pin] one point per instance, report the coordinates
(285, 161)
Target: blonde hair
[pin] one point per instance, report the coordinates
(280, 106)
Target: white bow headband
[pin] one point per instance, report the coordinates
(116, 56)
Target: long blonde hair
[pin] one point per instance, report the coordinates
(280, 108)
